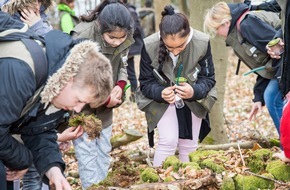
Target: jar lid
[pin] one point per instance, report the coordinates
(273, 42)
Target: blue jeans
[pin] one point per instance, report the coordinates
(32, 180)
(274, 102)
(93, 157)
(3, 183)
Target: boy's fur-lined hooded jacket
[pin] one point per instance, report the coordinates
(12, 7)
(18, 84)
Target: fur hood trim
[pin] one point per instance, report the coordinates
(69, 69)
(12, 6)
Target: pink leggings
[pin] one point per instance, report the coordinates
(168, 140)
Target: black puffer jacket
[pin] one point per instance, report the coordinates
(17, 86)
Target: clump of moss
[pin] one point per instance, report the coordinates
(228, 183)
(149, 175)
(172, 161)
(208, 140)
(274, 142)
(252, 183)
(169, 179)
(258, 159)
(192, 165)
(91, 124)
(197, 155)
(123, 174)
(279, 170)
(209, 163)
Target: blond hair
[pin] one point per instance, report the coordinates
(12, 6)
(215, 17)
(89, 68)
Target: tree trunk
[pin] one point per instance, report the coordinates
(220, 58)
(159, 7)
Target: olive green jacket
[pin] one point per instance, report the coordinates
(117, 56)
(198, 69)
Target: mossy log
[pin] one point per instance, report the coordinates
(242, 145)
(127, 137)
(200, 183)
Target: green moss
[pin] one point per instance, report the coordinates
(192, 165)
(279, 170)
(197, 155)
(258, 159)
(228, 183)
(149, 175)
(252, 183)
(172, 161)
(209, 163)
(274, 142)
(208, 140)
(169, 179)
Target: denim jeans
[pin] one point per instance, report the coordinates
(3, 184)
(32, 180)
(274, 102)
(93, 157)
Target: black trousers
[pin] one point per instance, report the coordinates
(132, 74)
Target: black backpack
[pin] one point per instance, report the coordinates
(38, 63)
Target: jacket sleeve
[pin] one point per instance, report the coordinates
(149, 86)
(206, 77)
(260, 35)
(45, 151)
(259, 89)
(41, 27)
(66, 23)
(285, 130)
(17, 87)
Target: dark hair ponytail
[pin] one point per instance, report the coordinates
(171, 23)
(111, 14)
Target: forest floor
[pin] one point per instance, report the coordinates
(237, 105)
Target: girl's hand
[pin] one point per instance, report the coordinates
(116, 96)
(70, 133)
(168, 94)
(257, 106)
(29, 16)
(184, 90)
(272, 53)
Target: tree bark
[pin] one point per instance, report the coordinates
(127, 137)
(220, 59)
(159, 7)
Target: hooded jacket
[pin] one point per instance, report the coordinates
(253, 36)
(18, 85)
(68, 19)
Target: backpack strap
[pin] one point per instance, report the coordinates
(240, 20)
(41, 71)
(238, 23)
(39, 60)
